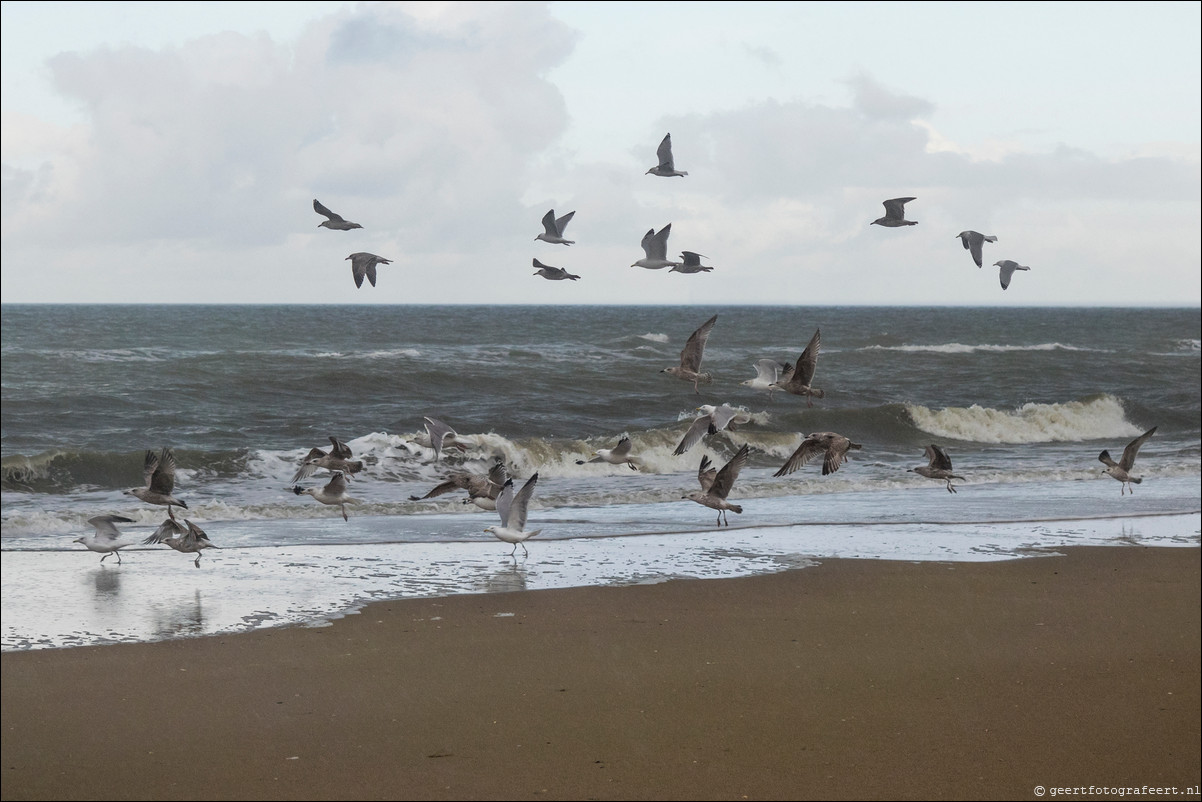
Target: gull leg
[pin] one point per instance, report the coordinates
(196, 562)
(343, 507)
(525, 553)
(105, 557)
(118, 557)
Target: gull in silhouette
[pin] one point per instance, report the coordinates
(768, 372)
(691, 264)
(1007, 270)
(667, 165)
(618, 455)
(1121, 470)
(191, 540)
(715, 487)
(158, 471)
(833, 448)
(895, 214)
(334, 493)
(552, 273)
(512, 509)
(364, 264)
(655, 245)
(553, 228)
(973, 242)
(335, 221)
(338, 458)
(798, 382)
(939, 467)
(107, 539)
(713, 419)
(689, 368)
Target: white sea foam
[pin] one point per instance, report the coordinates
(1031, 423)
(962, 348)
(655, 338)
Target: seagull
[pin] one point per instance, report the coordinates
(364, 264)
(833, 448)
(618, 455)
(767, 373)
(666, 166)
(1007, 270)
(895, 214)
(716, 487)
(477, 485)
(335, 221)
(690, 357)
(940, 467)
(974, 242)
(552, 273)
(338, 458)
(713, 419)
(655, 245)
(798, 381)
(1121, 470)
(108, 538)
(553, 232)
(334, 493)
(691, 264)
(439, 436)
(192, 540)
(512, 510)
(159, 473)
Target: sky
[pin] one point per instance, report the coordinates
(170, 152)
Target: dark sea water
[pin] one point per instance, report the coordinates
(1022, 399)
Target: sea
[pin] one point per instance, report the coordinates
(1022, 399)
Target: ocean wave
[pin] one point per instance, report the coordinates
(962, 348)
(1092, 419)
(655, 338)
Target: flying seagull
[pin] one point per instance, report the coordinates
(691, 264)
(335, 221)
(716, 487)
(895, 214)
(618, 455)
(552, 273)
(512, 509)
(1121, 470)
(477, 485)
(798, 381)
(334, 493)
(338, 458)
(158, 471)
(553, 228)
(831, 446)
(767, 373)
(1007, 270)
(713, 419)
(192, 540)
(655, 245)
(108, 538)
(939, 467)
(973, 242)
(667, 165)
(691, 356)
(364, 264)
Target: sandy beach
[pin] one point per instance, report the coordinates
(851, 679)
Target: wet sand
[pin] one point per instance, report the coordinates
(853, 679)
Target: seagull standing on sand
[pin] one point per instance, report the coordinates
(939, 467)
(690, 357)
(338, 458)
(1121, 470)
(667, 165)
(798, 382)
(364, 264)
(552, 273)
(158, 470)
(553, 229)
(192, 540)
(716, 487)
(833, 448)
(334, 493)
(895, 214)
(512, 509)
(655, 245)
(618, 455)
(973, 242)
(768, 372)
(713, 419)
(691, 264)
(335, 221)
(108, 538)
(1007, 270)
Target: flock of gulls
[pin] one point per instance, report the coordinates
(495, 489)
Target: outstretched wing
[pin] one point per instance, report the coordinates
(167, 529)
(808, 361)
(162, 480)
(726, 477)
(809, 448)
(700, 427)
(1128, 460)
(517, 511)
(340, 449)
(938, 458)
(664, 154)
(694, 349)
(322, 210)
(706, 474)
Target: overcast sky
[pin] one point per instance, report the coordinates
(170, 152)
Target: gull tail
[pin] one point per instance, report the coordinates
(737, 508)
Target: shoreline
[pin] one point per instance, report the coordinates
(852, 678)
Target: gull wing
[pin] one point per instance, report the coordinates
(895, 208)
(700, 427)
(664, 154)
(706, 474)
(149, 466)
(691, 259)
(694, 349)
(622, 449)
(808, 361)
(457, 481)
(938, 457)
(163, 478)
(505, 503)
(517, 510)
(340, 449)
(809, 448)
(306, 470)
(167, 529)
(105, 526)
(1128, 460)
(337, 483)
(322, 210)
(726, 477)
(562, 222)
(836, 453)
